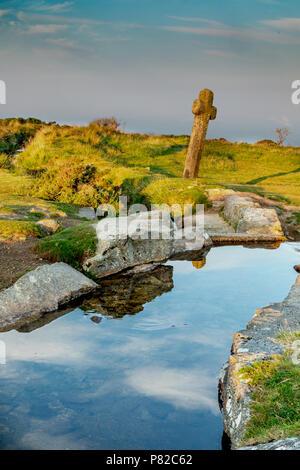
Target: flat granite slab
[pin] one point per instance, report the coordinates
(41, 291)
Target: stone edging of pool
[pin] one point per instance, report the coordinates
(256, 343)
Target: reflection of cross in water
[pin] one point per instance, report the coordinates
(199, 264)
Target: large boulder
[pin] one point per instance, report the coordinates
(42, 290)
(247, 216)
(259, 221)
(234, 205)
(147, 237)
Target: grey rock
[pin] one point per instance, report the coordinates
(292, 443)
(148, 237)
(49, 225)
(249, 217)
(40, 291)
(259, 221)
(233, 206)
(88, 213)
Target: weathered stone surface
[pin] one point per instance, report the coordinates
(259, 221)
(257, 342)
(190, 243)
(49, 225)
(292, 443)
(249, 217)
(88, 213)
(139, 239)
(233, 206)
(40, 291)
(204, 111)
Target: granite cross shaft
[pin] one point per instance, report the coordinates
(204, 111)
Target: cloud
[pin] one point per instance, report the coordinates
(45, 28)
(4, 12)
(31, 17)
(182, 388)
(235, 33)
(286, 24)
(197, 20)
(55, 8)
(24, 16)
(62, 42)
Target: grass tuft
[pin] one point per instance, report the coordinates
(275, 401)
(72, 245)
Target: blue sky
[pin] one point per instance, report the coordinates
(145, 61)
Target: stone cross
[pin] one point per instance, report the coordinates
(204, 112)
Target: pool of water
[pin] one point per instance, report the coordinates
(137, 366)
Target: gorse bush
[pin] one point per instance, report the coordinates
(106, 123)
(76, 182)
(15, 132)
(75, 165)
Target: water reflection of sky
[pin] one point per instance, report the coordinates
(144, 381)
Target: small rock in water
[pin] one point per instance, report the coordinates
(96, 319)
(297, 268)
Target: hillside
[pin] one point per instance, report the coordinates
(89, 165)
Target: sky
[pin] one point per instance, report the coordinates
(145, 61)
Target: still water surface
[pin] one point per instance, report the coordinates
(137, 367)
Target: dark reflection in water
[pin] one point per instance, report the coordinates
(127, 295)
(99, 377)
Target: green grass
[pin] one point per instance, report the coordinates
(13, 184)
(174, 191)
(90, 165)
(295, 218)
(72, 245)
(18, 230)
(275, 401)
(31, 208)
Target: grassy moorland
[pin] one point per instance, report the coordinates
(63, 167)
(89, 165)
